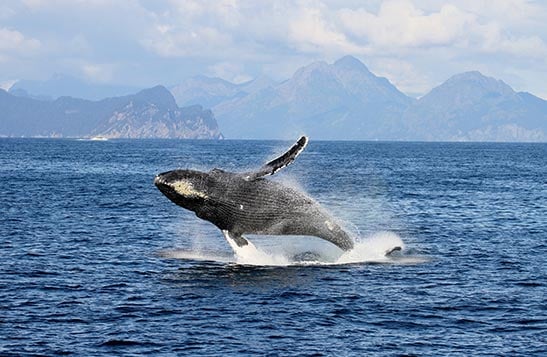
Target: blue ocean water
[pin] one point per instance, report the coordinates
(95, 260)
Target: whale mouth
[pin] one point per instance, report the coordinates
(161, 183)
(158, 180)
(165, 186)
(178, 187)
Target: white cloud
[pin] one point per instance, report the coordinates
(196, 29)
(98, 72)
(415, 44)
(513, 13)
(310, 32)
(232, 72)
(7, 84)
(495, 41)
(402, 74)
(223, 12)
(400, 24)
(15, 42)
(197, 42)
(230, 29)
(37, 5)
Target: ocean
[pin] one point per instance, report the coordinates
(95, 260)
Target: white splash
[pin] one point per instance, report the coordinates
(193, 254)
(285, 252)
(373, 249)
(250, 255)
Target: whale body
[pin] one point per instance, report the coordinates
(248, 203)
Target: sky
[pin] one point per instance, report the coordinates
(415, 44)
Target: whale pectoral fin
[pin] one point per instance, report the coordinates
(277, 164)
(232, 238)
(392, 250)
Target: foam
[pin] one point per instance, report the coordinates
(251, 255)
(193, 254)
(371, 249)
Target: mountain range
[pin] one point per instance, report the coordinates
(62, 85)
(346, 101)
(339, 101)
(209, 92)
(151, 113)
(472, 107)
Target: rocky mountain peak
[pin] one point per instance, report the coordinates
(255, 85)
(351, 63)
(477, 81)
(158, 95)
(315, 68)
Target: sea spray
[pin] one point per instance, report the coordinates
(250, 255)
(371, 249)
(193, 255)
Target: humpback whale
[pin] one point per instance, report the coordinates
(248, 203)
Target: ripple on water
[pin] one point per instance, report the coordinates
(80, 273)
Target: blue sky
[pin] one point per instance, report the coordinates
(415, 44)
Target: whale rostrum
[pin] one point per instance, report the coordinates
(248, 203)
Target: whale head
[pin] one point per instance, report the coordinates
(186, 188)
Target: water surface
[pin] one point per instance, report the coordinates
(84, 269)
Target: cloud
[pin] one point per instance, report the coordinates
(37, 5)
(200, 41)
(517, 14)
(7, 84)
(403, 74)
(415, 44)
(229, 71)
(98, 72)
(399, 24)
(226, 13)
(229, 29)
(217, 30)
(15, 42)
(6, 12)
(197, 29)
(67, 35)
(412, 39)
(496, 41)
(309, 32)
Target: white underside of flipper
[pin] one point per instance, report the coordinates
(282, 161)
(249, 254)
(232, 241)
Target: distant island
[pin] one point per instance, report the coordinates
(338, 101)
(151, 113)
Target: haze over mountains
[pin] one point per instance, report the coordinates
(61, 85)
(210, 92)
(345, 101)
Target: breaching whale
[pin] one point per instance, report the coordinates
(248, 203)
